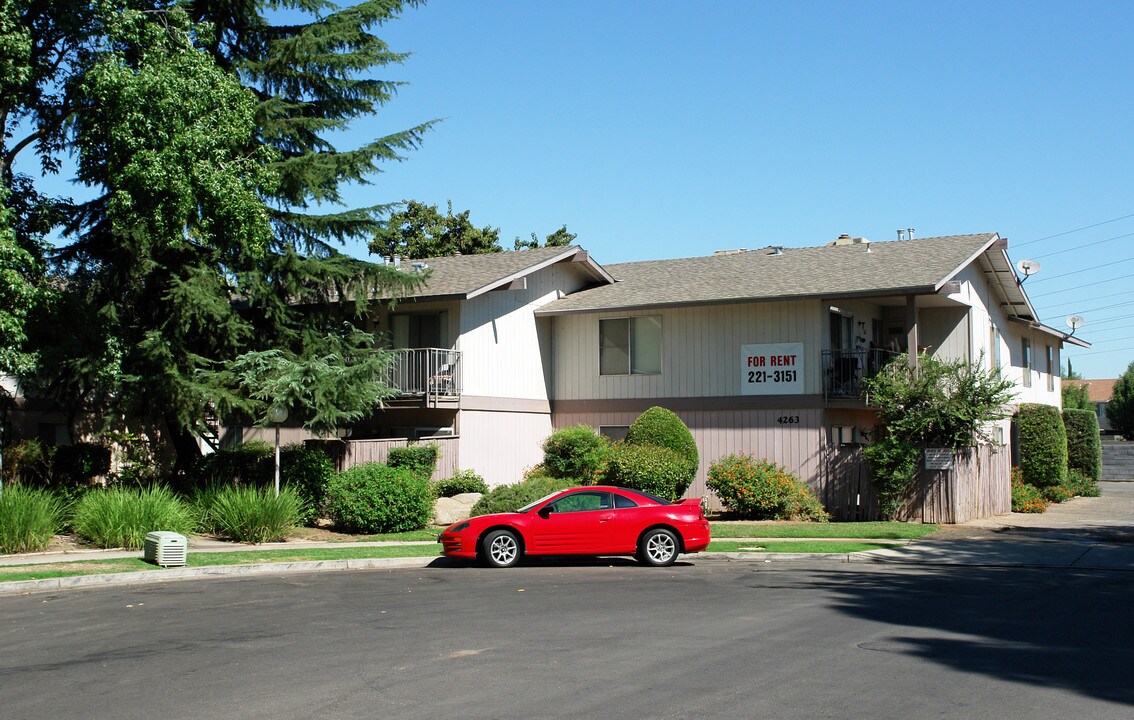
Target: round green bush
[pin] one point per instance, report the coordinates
(509, 498)
(576, 452)
(649, 468)
(1084, 445)
(462, 481)
(1043, 445)
(121, 517)
(762, 490)
(376, 498)
(661, 427)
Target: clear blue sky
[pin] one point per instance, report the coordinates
(659, 129)
(668, 129)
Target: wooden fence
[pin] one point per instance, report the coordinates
(348, 453)
(979, 485)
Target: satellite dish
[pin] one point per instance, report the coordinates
(1075, 322)
(1027, 268)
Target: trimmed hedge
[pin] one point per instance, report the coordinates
(509, 498)
(661, 427)
(762, 490)
(650, 468)
(1043, 445)
(576, 452)
(376, 498)
(419, 459)
(462, 481)
(1084, 445)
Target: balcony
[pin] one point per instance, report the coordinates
(431, 376)
(844, 370)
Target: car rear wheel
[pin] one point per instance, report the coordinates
(500, 548)
(658, 547)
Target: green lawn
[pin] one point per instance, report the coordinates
(853, 530)
(795, 546)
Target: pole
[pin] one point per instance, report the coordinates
(277, 459)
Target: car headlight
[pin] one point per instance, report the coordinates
(459, 527)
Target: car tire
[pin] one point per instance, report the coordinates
(658, 547)
(500, 548)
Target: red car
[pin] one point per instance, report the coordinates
(597, 520)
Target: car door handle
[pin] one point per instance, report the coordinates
(604, 518)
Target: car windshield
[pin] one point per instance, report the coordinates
(531, 505)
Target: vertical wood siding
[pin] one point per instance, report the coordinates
(724, 432)
(359, 452)
(700, 350)
(978, 486)
(501, 445)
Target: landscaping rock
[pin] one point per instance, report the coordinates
(447, 511)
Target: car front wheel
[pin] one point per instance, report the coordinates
(658, 547)
(500, 548)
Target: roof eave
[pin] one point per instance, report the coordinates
(572, 252)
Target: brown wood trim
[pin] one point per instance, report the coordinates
(725, 402)
(486, 403)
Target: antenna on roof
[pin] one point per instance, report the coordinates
(1028, 268)
(1074, 322)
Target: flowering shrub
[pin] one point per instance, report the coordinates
(762, 490)
(1026, 498)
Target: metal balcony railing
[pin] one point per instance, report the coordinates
(426, 372)
(844, 370)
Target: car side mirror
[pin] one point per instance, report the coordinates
(545, 511)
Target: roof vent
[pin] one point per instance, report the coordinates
(775, 249)
(419, 266)
(738, 251)
(845, 239)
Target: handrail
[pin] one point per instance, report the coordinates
(429, 372)
(844, 370)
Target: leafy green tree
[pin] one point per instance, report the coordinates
(1120, 408)
(940, 404)
(420, 231)
(206, 129)
(1076, 394)
(559, 238)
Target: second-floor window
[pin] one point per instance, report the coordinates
(630, 345)
(1026, 357)
(1050, 369)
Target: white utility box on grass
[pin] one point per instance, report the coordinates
(167, 549)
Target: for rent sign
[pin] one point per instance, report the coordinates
(771, 369)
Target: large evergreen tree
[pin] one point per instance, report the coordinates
(205, 128)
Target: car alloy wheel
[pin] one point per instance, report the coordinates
(658, 548)
(500, 548)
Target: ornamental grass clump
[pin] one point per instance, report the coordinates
(120, 517)
(29, 517)
(762, 490)
(254, 514)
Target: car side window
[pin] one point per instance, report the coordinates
(582, 502)
(621, 501)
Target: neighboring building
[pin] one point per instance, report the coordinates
(1099, 393)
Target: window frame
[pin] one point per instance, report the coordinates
(631, 321)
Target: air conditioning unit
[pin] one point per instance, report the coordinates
(167, 549)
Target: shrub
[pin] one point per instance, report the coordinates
(305, 471)
(462, 481)
(1084, 446)
(29, 462)
(660, 427)
(1120, 407)
(1080, 485)
(121, 517)
(762, 490)
(649, 468)
(1027, 498)
(376, 498)
(1057, 493)
(251, 463)
(893, 469)
(509, 498)
(1043, 445)
(253, 514)
(29, 517)
(576, 452)
(77, 465)
(418, 459)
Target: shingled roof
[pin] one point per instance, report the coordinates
(466, 276)
(895, 267)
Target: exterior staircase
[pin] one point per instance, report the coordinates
(1118, 460)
